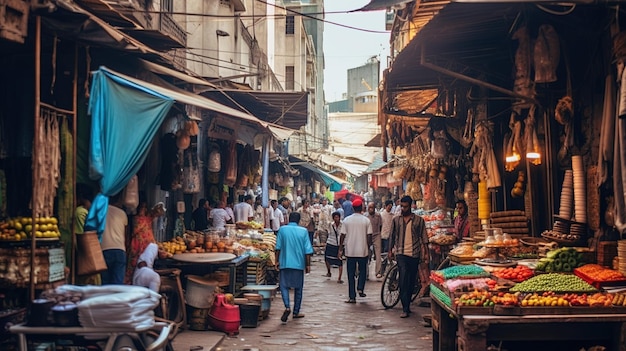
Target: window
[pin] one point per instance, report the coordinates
(289, 78)
(290, 25)
(167, 6)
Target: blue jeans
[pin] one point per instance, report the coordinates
(291, 277)
(407, 269)
(351, 265)
(116, 266)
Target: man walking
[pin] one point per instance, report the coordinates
(409, 243)
(386, 215)
(114, 242)
(377, 224)
(293, 258)
(347, 206)
(355, 240)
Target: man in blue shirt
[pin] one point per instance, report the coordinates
(293, 257)
(347, 206)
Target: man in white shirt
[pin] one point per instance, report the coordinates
(387, 217)
(218, 216)
(276, 216)
(355, 241)
(243, 210)
(144, 273)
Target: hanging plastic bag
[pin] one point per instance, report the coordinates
(191, 174)
(131, 194)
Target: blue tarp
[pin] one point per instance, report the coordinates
(125, 119)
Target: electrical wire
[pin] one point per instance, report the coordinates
(322, 20)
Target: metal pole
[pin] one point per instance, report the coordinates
(35, 151)
(267, 144)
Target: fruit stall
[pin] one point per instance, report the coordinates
(233, 261)
(556, 302)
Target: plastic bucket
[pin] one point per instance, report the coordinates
(199, 292)
(249, 315)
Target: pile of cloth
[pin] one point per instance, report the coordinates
(118, 306)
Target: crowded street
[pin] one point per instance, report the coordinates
(329, 324)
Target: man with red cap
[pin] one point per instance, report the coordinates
(354, 242)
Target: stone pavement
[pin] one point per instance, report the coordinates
(330, 324)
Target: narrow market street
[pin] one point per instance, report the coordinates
(329, 323)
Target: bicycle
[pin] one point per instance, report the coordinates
(390, 290)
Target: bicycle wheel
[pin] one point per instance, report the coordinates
(417, 287)
(390, 290)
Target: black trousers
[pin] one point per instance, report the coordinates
(407, 269)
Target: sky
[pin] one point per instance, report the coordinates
(346, 48)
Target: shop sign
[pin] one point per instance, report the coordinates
(223, 128)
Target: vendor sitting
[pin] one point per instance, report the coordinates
(144, 273)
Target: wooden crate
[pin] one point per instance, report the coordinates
(255, 273)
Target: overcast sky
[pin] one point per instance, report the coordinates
(346, 48)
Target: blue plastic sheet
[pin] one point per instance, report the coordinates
(125, 119)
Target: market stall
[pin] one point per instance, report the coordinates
(542, 304)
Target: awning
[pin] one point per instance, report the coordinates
(330, 180)
(151, 66)
(376, 5)
(288, 109)
(190, 98)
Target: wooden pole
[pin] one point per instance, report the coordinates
(35, 151)
(74, 133)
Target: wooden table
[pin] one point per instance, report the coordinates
(452, 331)
(204, 264)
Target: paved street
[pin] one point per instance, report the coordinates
(330, 324)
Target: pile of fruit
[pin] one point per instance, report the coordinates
(168, 249)
(22, 228)
(561, 260)
(554, 282)
(249, 225)
(545, 299)
(475, 298)
(600, 274)
(517, 274)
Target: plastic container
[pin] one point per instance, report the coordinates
(200, 292)
(249, 315)
(223, 316)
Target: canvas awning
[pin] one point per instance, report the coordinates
(285, 108)
(186, 97)
(330, 180)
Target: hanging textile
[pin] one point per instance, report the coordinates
(125, 119)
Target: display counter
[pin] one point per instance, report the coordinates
(475, 332)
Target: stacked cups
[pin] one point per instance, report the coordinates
(580, 194)
(567, 196)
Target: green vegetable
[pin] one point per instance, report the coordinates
(554, 282)
(567, 267)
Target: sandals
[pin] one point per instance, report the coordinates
(362, 294)
(298, 315)
(285, 315)
(351, 301)
(339, 281)
(378, 276)
(327, 275)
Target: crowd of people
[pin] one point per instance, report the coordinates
(355, 233)
(348, 230)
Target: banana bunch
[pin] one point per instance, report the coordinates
(619, 299)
